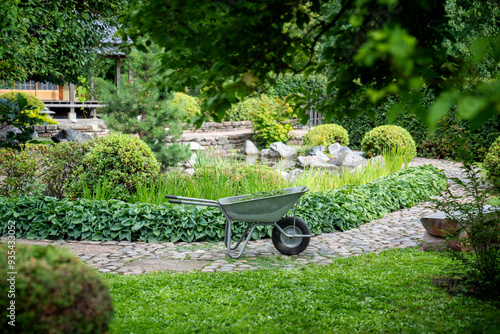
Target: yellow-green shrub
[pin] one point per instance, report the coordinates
(270, 120)
(327, 134)
(189, 104)
(388, 138)
(492, 163)
(32, 101)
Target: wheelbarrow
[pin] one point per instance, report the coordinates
(290, 235)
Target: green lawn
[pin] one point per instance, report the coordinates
(389, 292)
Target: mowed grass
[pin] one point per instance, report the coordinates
(390, 292)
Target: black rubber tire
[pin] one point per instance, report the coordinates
(279, 240)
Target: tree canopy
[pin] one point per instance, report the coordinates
(369, 50)
(52, 41)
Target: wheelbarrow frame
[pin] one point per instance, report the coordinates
(269, 211)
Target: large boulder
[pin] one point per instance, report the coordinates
(439, 224)
(336, 150)
(311, 161)
(349, 159)
(320, 155)
(281, 150)
(319, 148)
(194, 146)
(265, 152)
(249, 148)
(70, 135)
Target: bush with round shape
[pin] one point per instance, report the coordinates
(388, 138)
(326, 134)
(271, 121)
(243, 110)
(492, 163)
(32, 101)
(55, 292)
(189, 104)
(119, 160)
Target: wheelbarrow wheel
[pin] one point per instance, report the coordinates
(290, 246)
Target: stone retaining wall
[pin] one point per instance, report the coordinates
(219, 142)
(228, 126)
(95, 130)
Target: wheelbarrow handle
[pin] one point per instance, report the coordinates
(170, 197)
(173, 201)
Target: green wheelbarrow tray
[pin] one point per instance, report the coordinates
(261, 210)
(290, 234)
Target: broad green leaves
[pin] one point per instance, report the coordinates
(369, 49)
(343, 208)
(52, 40)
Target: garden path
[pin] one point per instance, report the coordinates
(401, 229)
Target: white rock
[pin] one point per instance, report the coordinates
(194, 146)
(349, 159)
(191, 163)
(319, 154)
(333, 148)
(311, 161)
(281, 150)
(249, 148)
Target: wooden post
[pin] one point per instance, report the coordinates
(93, 111)
(117, 72)
(72, 114)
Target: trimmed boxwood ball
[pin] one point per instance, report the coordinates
(327, 134)
(388, 137)
(119, 160)
(492, 163)
(55, 292)
(189, 104)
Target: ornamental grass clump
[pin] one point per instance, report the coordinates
(388, 137)
(327, 134)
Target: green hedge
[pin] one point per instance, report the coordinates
(343, 208)
(441, 145)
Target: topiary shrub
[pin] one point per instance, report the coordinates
(271, 121)
(54, 292)
(119, 160)
(189, 104)
(21, 170)
(492, 163)
(243, 110)
(326, 134)
(388, 138)
(32, 101)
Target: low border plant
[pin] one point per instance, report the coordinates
(324, 211)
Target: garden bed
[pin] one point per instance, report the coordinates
(323, 211)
